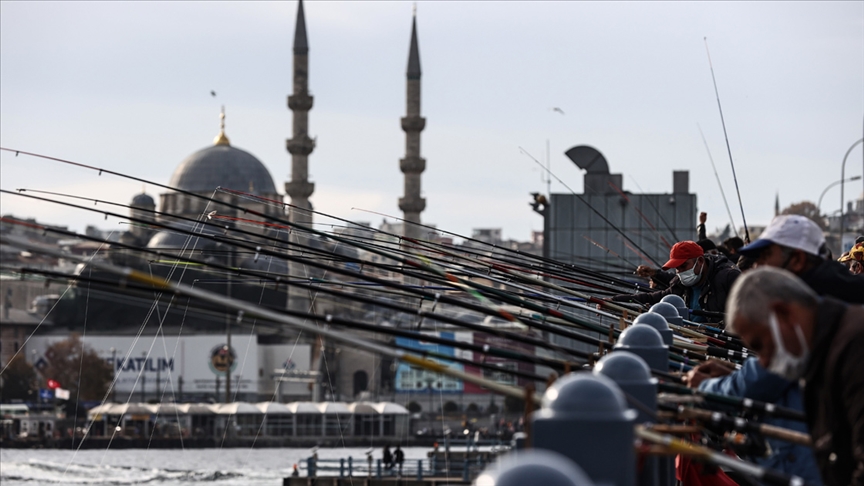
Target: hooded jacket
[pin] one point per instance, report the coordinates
(713, 291)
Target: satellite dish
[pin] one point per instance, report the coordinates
(588, 159)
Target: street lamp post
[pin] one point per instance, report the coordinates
(819, 205)
(842, 194)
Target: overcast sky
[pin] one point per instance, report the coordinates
(126, 86)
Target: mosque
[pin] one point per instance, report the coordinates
(227, 173)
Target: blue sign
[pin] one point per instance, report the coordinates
(411, 379)
(46, 394)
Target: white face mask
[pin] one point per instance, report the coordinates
(784, 363)
(688, 278)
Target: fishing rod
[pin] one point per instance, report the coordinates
(475, 286)
(428, 295)
(481, 349)
(210, 200)
(586, 203)
(470, 286)
(728, 148)
(245, 308)
(554, 330)
(737, 424)
(717, 176)
(742, 404)
(189, 219)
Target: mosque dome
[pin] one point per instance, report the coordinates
(143, 200)
(223, 166)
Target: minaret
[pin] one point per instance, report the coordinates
(300, 145)
(413, 165)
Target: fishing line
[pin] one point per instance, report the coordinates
(728, 148)
(716, 176)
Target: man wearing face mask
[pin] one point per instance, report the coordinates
(799, 335)
(793, 242)
(702, 280)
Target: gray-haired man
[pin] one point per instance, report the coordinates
(799, 335)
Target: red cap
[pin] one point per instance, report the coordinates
(681, 252)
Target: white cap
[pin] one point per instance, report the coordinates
(789, 230)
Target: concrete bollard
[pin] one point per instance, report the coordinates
(586, 418)
(632, 375)
(378, 469)
(644, 341)
(659, 323)
(668, 311)
(419, 469)
(533, 467)
(310, 467)
(679, 304)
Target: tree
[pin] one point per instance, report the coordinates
(808, 210)
(69, 357)
(18, 381)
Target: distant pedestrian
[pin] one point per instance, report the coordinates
(295, 472)
(399, 458)
(387, 458)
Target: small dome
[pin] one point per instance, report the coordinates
(223, 166)
(534, 466)
(652, 319)
(624, 367)
(639, 336)
(675, 300)
(666, 310)
(585, 393)
(143, 200)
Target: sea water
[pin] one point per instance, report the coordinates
(170, 467)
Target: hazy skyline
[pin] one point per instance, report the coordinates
(126, 86)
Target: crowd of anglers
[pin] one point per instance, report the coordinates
(773, 334)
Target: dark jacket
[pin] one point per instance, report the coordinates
(721, 275)
(834, 392)
(834, 279)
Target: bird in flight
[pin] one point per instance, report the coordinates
(559, 110)
(212, 93)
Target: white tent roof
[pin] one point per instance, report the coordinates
(131, 409)
(363, 408)
(238, 408)
(197, 408)
(104, 408)
(391, 408)
(273, 408)
(303, 407)
(333, 408)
